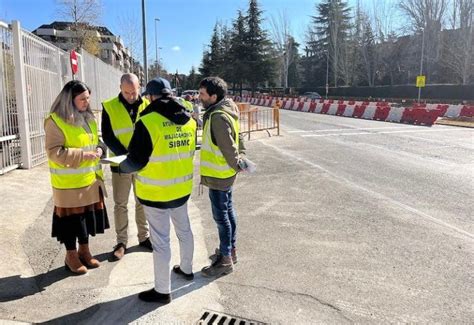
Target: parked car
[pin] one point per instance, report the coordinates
(193, 93)
(312, 95)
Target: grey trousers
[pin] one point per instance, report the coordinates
(121, 185)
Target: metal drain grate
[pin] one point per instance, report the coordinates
(210, 317)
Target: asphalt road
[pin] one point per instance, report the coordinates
(345, 221)
(349, 220)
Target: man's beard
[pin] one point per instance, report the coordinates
(131, 102)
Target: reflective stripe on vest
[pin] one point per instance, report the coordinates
(216, 167)
(89, 148)
(76, 171)
(123, 131)
(167, 182)
(207, 147)
(120, 120)
(213, 163)
(168, 174)
(76, 137)
(182, 155)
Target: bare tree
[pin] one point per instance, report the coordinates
(129, 29)
(281, 37)
(364, 55)
(83, 14)
(424, 13)
(381, 18)
(427, 17)
(459, 44)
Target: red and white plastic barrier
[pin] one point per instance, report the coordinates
(425, 114)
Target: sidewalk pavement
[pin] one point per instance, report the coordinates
(34, 287)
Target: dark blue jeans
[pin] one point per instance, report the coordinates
(226, 219)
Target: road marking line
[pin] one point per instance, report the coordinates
(381, 132)
(348, 129)
(343, 180)
(460, 145)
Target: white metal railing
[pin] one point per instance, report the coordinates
(32, 73)
(9, 134)
(103, 79)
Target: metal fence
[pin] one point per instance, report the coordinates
(253, 119)
(103, 80)
(32, 73)
(9, 134)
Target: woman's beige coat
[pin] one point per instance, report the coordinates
(70, 157)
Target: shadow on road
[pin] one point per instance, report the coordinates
(17, 287)
(127, 309)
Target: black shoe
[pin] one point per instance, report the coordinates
(177, 270)
(154, 296)
(146, 243)
(119, 251)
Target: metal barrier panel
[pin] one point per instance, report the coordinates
(44, 78)
(10, 153)
(90, 78)
(103, 80)
(259, 119)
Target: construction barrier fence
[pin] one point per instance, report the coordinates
(423, 114)
(254, 119)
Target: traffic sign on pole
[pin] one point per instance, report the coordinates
(420, 81)
(74, 63)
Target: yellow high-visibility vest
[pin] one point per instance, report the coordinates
(213, 163)
(169, 173)
(187, 104)
(63, 177)
(120, 120)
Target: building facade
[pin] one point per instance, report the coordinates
(99, 39)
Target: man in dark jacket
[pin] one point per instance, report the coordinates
(119, 115)
(161, 151)
(220, 162)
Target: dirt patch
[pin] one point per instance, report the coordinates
(467, 122)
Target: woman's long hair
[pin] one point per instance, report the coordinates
(64, 107)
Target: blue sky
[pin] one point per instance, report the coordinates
(185, 26)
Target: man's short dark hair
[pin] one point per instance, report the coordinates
(214, 86)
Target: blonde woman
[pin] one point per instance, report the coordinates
(73, 150)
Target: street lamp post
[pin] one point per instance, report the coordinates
(159, 59)
(145, 64)
(156, 47)
(421, 60)
(327, 73)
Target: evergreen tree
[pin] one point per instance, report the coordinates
(217, 56)
(293, 73)
(332, 28)
(192, 81)
(367, 47)
(238, 52)
(205, 68)
(314, 63)
(261, 66)
(226, 61)
(213, 59)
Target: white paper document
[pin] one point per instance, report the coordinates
(116, 159)
(247, 165)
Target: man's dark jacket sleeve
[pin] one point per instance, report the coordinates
(139, 150)
(109, 137)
